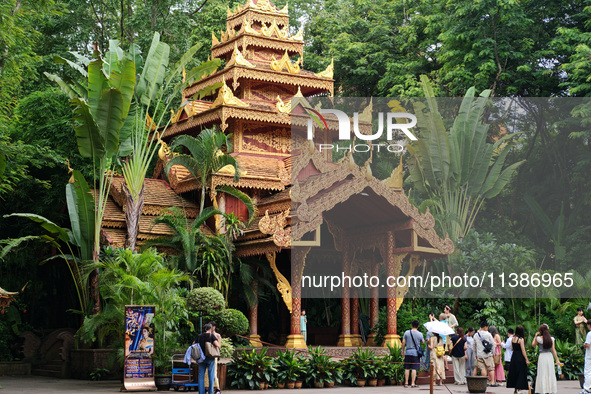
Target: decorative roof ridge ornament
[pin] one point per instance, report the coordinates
(299, 36)
(328, 72)
(292, 68)
(214, 39)
(266, 6)
(226, 97)
(365, 116)
(238, 58)
(283, 107)
(246, 25)
(284, 10)
(394, 181)
(165, 152)
(274, 28)
(299, 99)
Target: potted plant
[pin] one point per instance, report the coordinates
(251, 369)
(317, 367)
(382, 369)
(334, 374)
(365, 366)
(289, 368)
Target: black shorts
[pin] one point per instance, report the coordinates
(412, 362)
(507, 364)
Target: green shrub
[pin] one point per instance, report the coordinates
(205, 300)
(230, 322)
(227, 348)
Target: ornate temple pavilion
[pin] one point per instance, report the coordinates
(307, 204)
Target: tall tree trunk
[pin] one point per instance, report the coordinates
(94, 284)
(133, 211)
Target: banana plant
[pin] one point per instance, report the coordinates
(458, 169)
(75, 245)
(111, 114)
(101, 107)
(153, 93)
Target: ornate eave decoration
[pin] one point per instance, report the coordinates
(238, 59)
(328, 72)
(282, 283)
(309, 213)
(283, 107)
(273, 29)
(226, 97)
(237, 72)
(395, 181)
(278, 65)
(220, 49)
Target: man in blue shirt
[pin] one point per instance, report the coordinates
(411, 341)
(303, 321)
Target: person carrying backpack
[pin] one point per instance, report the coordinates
(412, 352)
(483, 347)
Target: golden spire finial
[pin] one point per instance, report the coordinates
(214, 39)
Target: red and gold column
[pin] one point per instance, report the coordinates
(374, 307)
(345, 339)
(356, 337)
(295, 339)
(255, 339)
(393, 265)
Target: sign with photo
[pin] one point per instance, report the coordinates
(139, 347)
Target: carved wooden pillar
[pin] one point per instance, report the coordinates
(298, 261)
(356, 337)
(345, 339)
(393, 265)
(253, 320)
(374, 306)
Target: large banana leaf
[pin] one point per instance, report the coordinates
(97, 82)
(61, 233)
(457, 168)
(152, 77)
(123, 80)
(90, 140)
(81, 211)
(109, 119)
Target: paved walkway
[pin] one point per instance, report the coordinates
(43, 385)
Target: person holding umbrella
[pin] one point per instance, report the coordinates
(439, 330)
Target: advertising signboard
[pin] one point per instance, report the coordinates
(139, 347)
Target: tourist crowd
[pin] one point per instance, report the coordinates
(474, 351)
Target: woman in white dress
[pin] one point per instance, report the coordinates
(546, 377)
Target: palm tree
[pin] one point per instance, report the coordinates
(208, 255)
(188, 238)
(205, 159)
